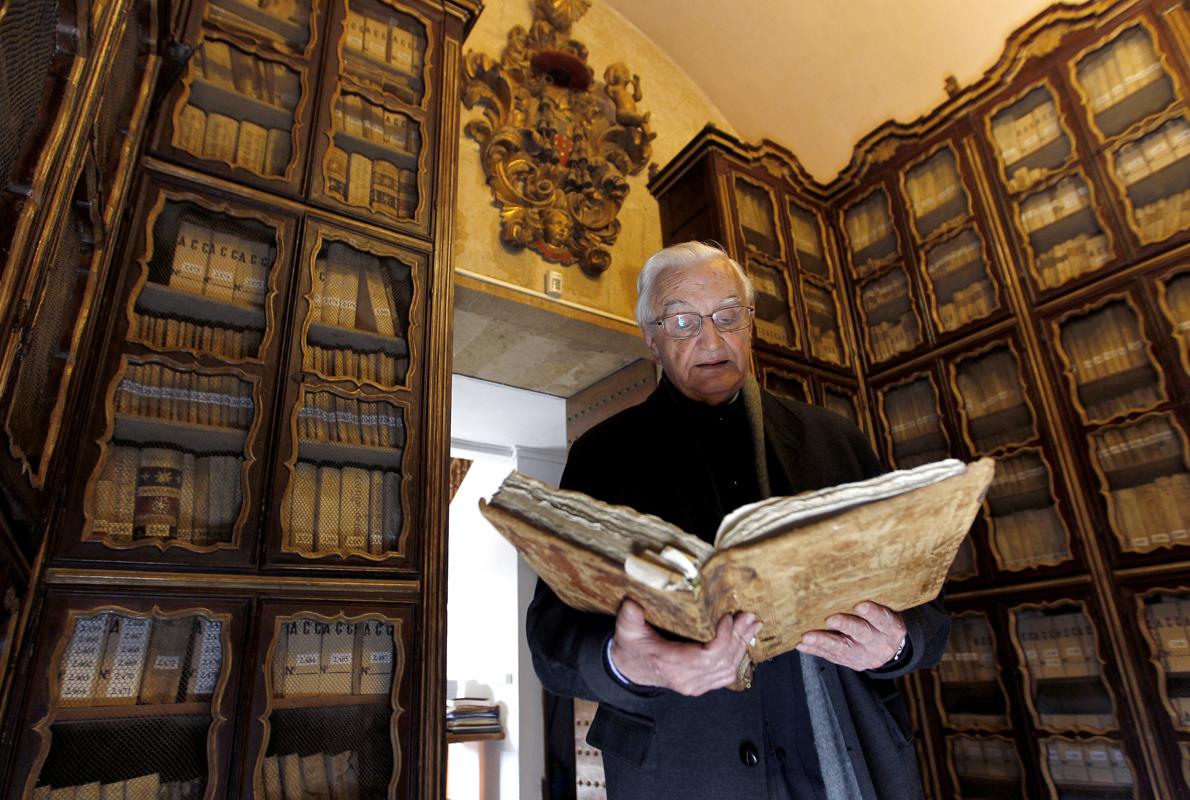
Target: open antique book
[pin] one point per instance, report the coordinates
(793, 561)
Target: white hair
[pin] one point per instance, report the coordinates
(680, 256)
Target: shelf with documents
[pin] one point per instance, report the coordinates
(1163, 617)
(1027, 528)
(1173, 296)
(935, 196)
(806, 232)
(242, 110)
(1153, 169)
(843, 402)
(889, 314)
(958, 282)
(910, 417)
(1107, 358)
(985, 767)
(993, 401)
(773, 316)
(135, 691)
(824, 332)
(756, 211)
(1030, 136)
(969, 689)
(871, 236)
(1061, 667)
(385, 49)
(325, 659)
(1062, 231)
(1093, 767)
(1124, 80)
(290, 26)
(785, 383)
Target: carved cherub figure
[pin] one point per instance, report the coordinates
(557, 227)
(623, 88)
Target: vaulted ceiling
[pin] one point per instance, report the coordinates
(817, 75)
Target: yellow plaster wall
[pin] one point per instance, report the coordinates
(679, 110)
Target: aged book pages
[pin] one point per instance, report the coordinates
(792, 561)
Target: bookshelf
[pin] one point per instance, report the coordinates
(232, 444)
(1014, 283)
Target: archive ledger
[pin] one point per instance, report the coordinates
(793, 561)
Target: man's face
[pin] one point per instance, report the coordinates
(711, 366)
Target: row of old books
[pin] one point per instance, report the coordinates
(178, 333)
(755, 208)
(318, 776)
(806, 236)
(970, 654)
(954, 255)
(1068, 196)
(985, 758)
(295, 12)
(167, 493)
(316, 657)
(220, 263)
(370, 183)
(335, 508)
(1105, 343)
(1094, 761)
(1165, 217)
(868, 224)
(241, 143)
(375, 366)
(912, 412)
(972, 302)
(390, 39)
(472, 715)
(145, 787)
(933, 185)
(892, 288)
(1019, 135)
(118, 660)
(993, 385)
(1168, 621)
(1058, 645)
(1151, 441)
(354, 290)
(1119, 70)
(228, 67)
(1155, 152)
(327, 417)
(362, 119)
(1068, 259)
(890, 338)
(1030, 538)
(827, 345)
(157, 391)
(1155, 514)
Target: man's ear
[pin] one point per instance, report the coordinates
(650, 337)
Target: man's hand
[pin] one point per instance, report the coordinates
(867, 639)
(642, 656)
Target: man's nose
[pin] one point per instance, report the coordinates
(709, 329)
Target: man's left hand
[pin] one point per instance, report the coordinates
(867, 639)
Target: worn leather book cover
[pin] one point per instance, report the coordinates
(303, 496)
(330, 489)
(158, 493)
(354, 521)
(793, 561)
(123, 661)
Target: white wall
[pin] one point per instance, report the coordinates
(489, 586)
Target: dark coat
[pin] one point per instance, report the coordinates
(656, 743)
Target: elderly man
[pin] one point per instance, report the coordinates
(824, 721)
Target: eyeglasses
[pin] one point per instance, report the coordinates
(687, 324)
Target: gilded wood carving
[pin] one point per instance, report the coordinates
(557, 146)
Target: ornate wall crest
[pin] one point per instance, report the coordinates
(555, 145)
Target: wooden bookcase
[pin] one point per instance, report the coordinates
(223, 398)
(1012, 278)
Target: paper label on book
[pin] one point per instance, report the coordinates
(167, 663)
(341, 659)
(305, 659)
(382, 657)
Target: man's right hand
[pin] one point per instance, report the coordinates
(644, 657)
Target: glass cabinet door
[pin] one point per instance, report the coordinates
(912, 423)
(335, 715)
(138, 704)
(890, 321)
(958, 280)
(1080, 768)
(774, 310)
(807, 242)
(872, 240)
(1165, 616)
(1154, 171)
(757, 212)
(1031, 142)
(994, 409)
(1124, 81)
(937, 199)
(1026, 528)
(1063, 233)
(985, 767)
(822, 322)
(970, 691)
